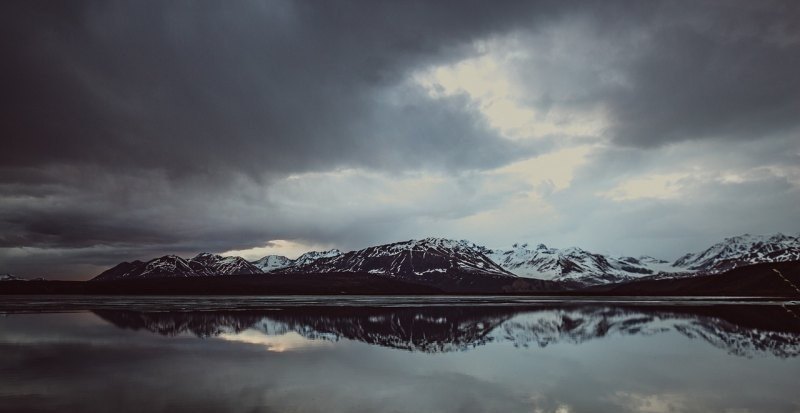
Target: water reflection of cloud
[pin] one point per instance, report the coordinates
(290, 341)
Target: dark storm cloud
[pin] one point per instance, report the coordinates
(258, 87)
(718, 70)
(666, 72)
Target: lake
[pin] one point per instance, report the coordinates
(397, 354)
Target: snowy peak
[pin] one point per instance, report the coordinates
(312, 256)
(643, 260)
(203, 264)
(410, 260)
(573, 264)
(11, 277)
(170, 264)
(742, 250)
(439, 245)
(272, 262)
(219, 265)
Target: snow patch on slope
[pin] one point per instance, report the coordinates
(574, 264)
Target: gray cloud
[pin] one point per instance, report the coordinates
(255, 87)
(667, 72)
(725, 72)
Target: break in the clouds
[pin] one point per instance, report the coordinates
(134, 129)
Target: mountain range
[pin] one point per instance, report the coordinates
(438, 261)
(203, 264)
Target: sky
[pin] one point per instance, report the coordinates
(132, 130)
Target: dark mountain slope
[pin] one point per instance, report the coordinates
(752, 280)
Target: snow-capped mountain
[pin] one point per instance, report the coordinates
(203, 264)
(312, 256)
(413, 260)
(213, 264)
(272, 263)
(11, 277)
(742, 250)
(574, 264)
(206, 264)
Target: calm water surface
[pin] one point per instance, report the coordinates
(351, 354)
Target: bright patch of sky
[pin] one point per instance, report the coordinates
(287, 248)
(490, 80)
(663, 186)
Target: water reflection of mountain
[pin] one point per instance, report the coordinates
(199, 323)
(741, 330)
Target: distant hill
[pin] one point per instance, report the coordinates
(753, 280)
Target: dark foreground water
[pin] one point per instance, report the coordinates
(397, 355)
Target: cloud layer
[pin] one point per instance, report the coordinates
(137, 129)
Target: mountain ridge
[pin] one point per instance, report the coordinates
(428, 259)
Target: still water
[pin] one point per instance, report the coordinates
(384, 354)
